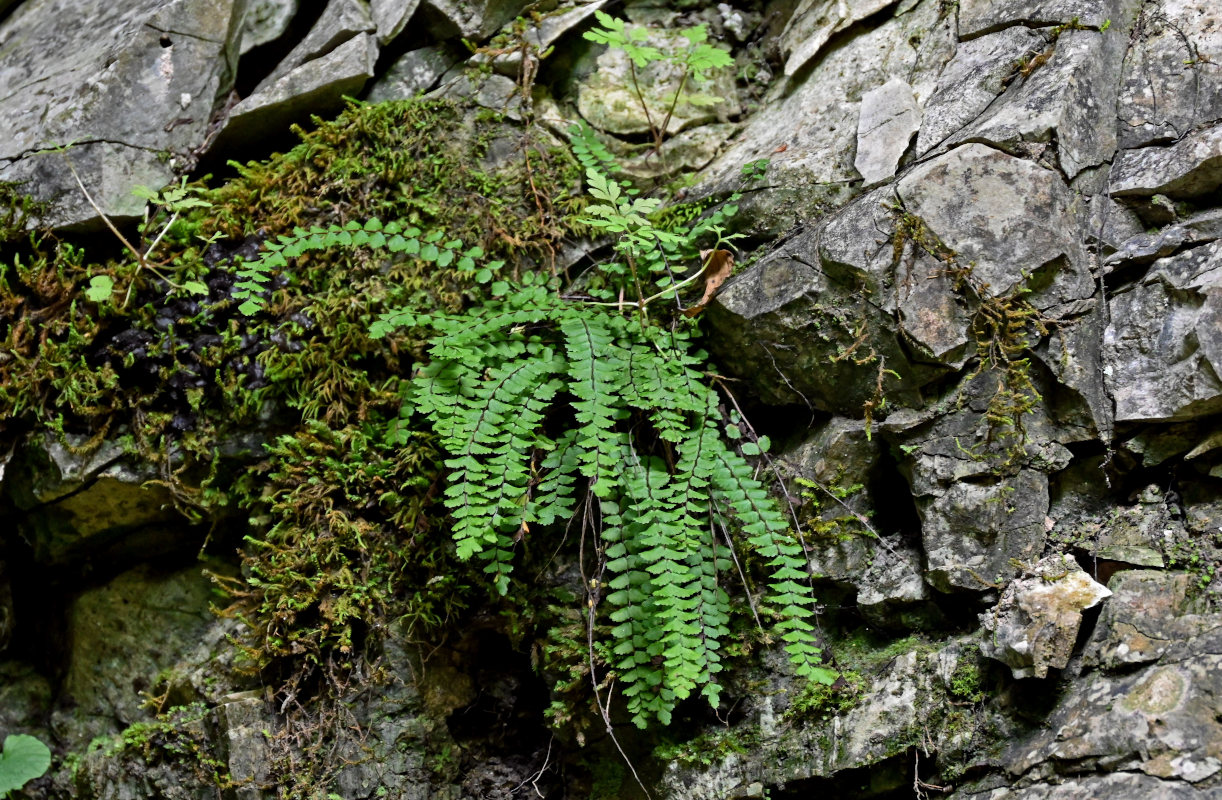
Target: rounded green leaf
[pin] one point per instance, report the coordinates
(24, 759)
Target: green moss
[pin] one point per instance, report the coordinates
(818, 701)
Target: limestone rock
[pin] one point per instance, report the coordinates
(889, 118)
(1168, 86)
(973, 79)
(1144, 248)
(789, 313)
(974, 532)
(810, 133)
(1004, 215)
(471, 19)
(982, 16)
(608, 100)
(1162, 721)
(413, 72)
(82, 503)
(341, 22)
(390, 17)
(1148, 617)
(1091, 787)
(1190, 168)
(124, 634)
(240, 720)
(1163, 348)
(1071, 100)
(815, 21)
(266, 21)
(121, 85)
(1035, 625)
(542, 34)
(312, 87)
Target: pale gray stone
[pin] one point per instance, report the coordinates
(1171, 82)
(390, 17)
(342, 21)
(1005, 216)
(1121, 786)
(1070, 99)
(1148, 617)
(973, 79)
(889, 118)
(815, 21)
(414, 72)
(128, 88)
(1190, 168)
(974, 532)
(472, 19)
(266, 21)
(810, 134)
(314, 86)
(1163, 347)
(983, 16)
(1034, 626)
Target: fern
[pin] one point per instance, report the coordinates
(643, 454)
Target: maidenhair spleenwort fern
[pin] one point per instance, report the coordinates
(550, 407)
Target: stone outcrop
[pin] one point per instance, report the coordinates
(979, 313)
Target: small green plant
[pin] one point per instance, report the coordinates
(696, 62)
(23, 759)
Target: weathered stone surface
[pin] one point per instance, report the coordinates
(341, 22)
(1170, 82)
(266, 21)
(241, 720)
(1121, 785)
(82, 504)
(1072, 354)
(889, 118)
(895, 713)
(1144, 248)
(121, 85)
(1190, 168)
(390, 17)
(807, 322)
(1034, 626)
(974, 532)
(1070, 99)
(810, 134)
(607, 98)
(1147, 618)
(471, 19)
(1163, 347)
(993, 211)
(981, 16)
(1162, 721)
(542, 34)
(317, 85)
(124, 634)
(413, 72)
(815, 21)
(973, 79)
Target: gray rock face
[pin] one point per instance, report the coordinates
(889, 118)
(1190, 168)
(1035, 625)
(86, 504)
(1163, 348)
(1168, 88)
(341, 21)
(413, 72)
(982, 16)
(266, 21)
(815, 21)
(992, 210)
(974, 532)
(128, 90)
(474, 19)
(1070, 98)
(1119, 785)
(1147, 618)
(126, 632)
(318, 84)
(976, 75)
